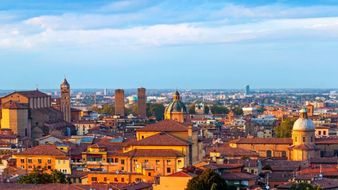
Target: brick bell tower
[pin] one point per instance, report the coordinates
(65, 100)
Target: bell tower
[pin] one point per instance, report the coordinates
(65, 100)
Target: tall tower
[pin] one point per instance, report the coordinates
(65, 100)
(119, 102)
(303, 136)
(141, 103)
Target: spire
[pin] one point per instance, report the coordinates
(176, 96)
(65, 83)
(303, 113)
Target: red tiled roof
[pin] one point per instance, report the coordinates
(214, 166)
(182, 174)
(165, 126)
(42, 150)
(161, 139)
(154, 153)
(330, 140)
(14, 105)
(263, 141)
(226, 150)
(32, 94)
(238, 176)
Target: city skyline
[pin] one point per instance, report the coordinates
(187, 45)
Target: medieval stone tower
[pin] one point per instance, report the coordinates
(65, 100)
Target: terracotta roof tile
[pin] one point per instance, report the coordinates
(154, 153)
(263, 141)
(161, 139)
(166, 126)
(43, 150)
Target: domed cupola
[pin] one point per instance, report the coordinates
(176, 110)
(176, 105)
(303, 123)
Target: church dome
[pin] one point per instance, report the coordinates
(176, 105)
(303, 123)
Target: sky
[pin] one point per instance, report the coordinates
(185, 44)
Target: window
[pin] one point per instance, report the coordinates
(324, 132)
(116, 160)
(142, 137)
(168, 162)
(94, 179)
(157, 162)
(29, 161)
(122, 180)
(29, 167)
(49, 161)
(303, 139)
(115, 179)
(283, 154)
(105, 179)
(122, 161)
(269, 153)
(179, 161)
(49, 167)
(168, 170)
(149, 173)
(311, 139)
(145, 161)
(319, 132)
(22, 161)
(39, 161)
(122, 168)
(135, 160)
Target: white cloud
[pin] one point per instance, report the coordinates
(104, 30)
(176, 34)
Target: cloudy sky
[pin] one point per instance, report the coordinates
(169, 44)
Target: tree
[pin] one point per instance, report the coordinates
(208, 180)
(40, 177)
(237, 110)
(217, 109)
(285, 128)
(304, 186)
(192, 109)
(206, 109)
(106, 109)
(156, 110)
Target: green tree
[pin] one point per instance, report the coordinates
(285, 128)
(192, 109)
(156, 110)
(40, 177)
(304, 186)
(237, 110)
(206, 109)
(217, 109)
(206, 181)
(106, 109)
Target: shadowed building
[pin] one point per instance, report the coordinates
(141, 103)
(119, 102)
(65, 100)
(29, 115)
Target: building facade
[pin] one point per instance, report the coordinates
(119, 102)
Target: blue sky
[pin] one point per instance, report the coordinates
(169, 44)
